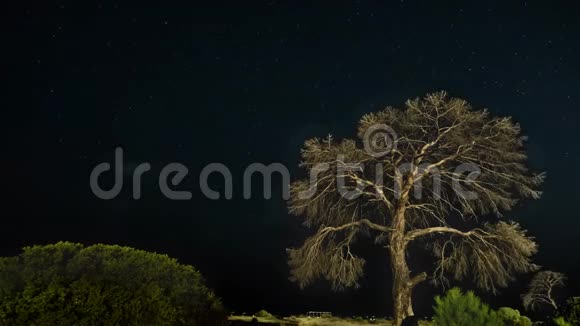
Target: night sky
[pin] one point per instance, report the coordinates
(238, 83)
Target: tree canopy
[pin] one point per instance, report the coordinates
(70, 284)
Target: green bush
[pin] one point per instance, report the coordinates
(571, 311)
(69, 284)
(570, 314)
(512, 317)
(560, 321)
(264, 314)
(459, 309)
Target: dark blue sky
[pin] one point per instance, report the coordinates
(237, 84)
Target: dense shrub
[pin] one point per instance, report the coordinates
(571, 311)
(69, 284)
(560, 321)
(459, 309)
(512, 317)
(570, 314)
(264, 314)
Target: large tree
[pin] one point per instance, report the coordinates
(435, 170)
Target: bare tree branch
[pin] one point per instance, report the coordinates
(540, 290)
(492, 254)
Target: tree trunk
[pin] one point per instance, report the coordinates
(397, 245)
(403, 283)
(402, 287)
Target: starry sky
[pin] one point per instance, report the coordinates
(241, 83)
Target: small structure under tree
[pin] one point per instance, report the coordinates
(319, 314)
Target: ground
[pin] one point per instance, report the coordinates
(306, 321)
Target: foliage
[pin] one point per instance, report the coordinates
(459, 309)
(69, 284)
(264, 314)
(571, 311)
(512, 317)
(560, 321)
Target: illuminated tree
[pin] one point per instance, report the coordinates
(540, 290)
(428, 172)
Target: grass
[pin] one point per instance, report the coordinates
(339, 322)
(262, 320)
(306, 321)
